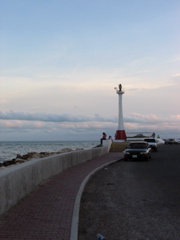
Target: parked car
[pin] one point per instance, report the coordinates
(171, 141)
(160, 141)
(138, 150)
(152, 143)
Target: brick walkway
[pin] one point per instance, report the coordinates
(48, 211)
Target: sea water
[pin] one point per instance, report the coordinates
(9, 150)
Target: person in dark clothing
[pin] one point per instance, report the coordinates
(103, 137)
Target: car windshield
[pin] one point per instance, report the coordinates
(149, 140)
(138, 145)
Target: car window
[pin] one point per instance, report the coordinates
(138, 146)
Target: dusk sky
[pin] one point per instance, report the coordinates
(60, 61)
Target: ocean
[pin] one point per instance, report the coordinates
(9, 150)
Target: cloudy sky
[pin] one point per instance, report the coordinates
(61, 59)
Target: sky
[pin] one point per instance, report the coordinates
(60, 61)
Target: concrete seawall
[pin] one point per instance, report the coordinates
(19, 180)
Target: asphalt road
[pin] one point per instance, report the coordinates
(134, 200)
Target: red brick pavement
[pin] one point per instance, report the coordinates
(47, 212)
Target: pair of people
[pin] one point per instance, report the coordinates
(104, 137)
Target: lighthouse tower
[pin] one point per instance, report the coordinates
(120, 132)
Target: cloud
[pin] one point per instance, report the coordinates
(46, 117)
(46, 126)
(140, 118)
(175, 77)
(150, 119)
(176, 117)
(165, 127)
(67, 118)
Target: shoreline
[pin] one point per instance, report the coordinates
(9, 150)
(34, 155)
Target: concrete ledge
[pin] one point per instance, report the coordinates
(19, 180)
(118, 146)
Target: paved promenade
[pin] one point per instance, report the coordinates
(48, 212)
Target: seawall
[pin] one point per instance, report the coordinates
(18, 181)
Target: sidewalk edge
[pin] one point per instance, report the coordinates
(75, 218)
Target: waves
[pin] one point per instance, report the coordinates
(9, 150)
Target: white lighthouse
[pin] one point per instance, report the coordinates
(120, 132)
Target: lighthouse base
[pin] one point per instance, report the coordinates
(120, 135)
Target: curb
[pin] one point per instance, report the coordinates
(75, 218)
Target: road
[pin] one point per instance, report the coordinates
(134, 200)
